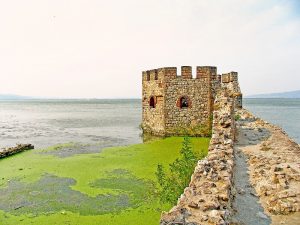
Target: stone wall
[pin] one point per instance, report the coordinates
(207, 200)
(167, 117)
(14, 150)
(230, 82)
(166, 87)
(198, 112)
(153, 86)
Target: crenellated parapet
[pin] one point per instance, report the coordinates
(186, 73)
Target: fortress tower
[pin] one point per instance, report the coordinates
(180, 104)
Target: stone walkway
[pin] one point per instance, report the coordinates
(274, 168)
(246, 206)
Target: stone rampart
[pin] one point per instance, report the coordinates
(207, 200)
(273, 160)
(14, 150)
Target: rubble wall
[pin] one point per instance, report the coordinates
(207, 200)
(153, 87)
(14, 150)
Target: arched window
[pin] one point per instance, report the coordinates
(148, 75)
(184, 102)
(152, 102)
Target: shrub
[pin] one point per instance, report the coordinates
(177, 179)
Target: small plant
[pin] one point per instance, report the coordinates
(237, 117)
(173, 183)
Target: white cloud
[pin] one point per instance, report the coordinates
(61, 48)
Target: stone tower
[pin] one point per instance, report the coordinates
(180, 104)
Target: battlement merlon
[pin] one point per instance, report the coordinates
(150, 75)
(229, 77)
(230, 82)
(206, 72)
(186, 72)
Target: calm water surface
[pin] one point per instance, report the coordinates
(49, 122)
(282, 112)
(107, 122)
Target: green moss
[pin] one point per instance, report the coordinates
(53, 194)
(95, 175)
(196, 131)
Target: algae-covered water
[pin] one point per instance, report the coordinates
(116, 186)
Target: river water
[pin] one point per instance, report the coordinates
(282, 112)
(109, 122)
(45, 123)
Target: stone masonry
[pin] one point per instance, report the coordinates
(14, 150)
(175, 103)
(207, 200)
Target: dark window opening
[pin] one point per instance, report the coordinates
(156, 75)
(148, 75)
(184, 103)
(152, 102)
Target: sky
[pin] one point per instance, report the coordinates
(98, 49)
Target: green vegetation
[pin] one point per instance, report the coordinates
(237, 117)
(197, 130)
(117, 186)
(173, 183)
(202, 130)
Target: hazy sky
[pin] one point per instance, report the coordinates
(96, 48)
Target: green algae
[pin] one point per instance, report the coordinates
(125, 175)
(52, 194)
